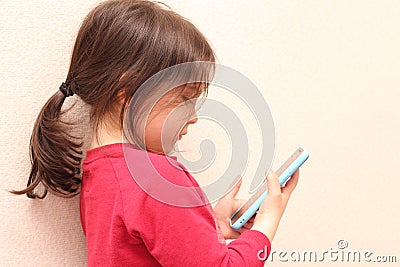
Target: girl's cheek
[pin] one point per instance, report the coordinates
(165, 124)
(160, 134)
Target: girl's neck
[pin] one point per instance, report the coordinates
(105, 136)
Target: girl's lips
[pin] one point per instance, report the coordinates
(180, 136)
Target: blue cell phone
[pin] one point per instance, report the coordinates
(251, 206)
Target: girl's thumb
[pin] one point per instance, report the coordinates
(273, 183)
(236, 186)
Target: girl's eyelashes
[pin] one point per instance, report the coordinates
(186, 100)
(186, 97)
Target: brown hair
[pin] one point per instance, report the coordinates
(120, 44)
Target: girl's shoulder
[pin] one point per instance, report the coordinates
(129, 163)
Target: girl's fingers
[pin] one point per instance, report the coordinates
(237, 203)
(291, 184)
(251, 220)
(236, 186)
(241, 231)
(273, 184)
(248, 225)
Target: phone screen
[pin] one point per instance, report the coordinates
(263, 187)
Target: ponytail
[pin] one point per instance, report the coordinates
(55, 154)
(120, 44)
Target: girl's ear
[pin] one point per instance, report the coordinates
(122, 92)
(121, 96)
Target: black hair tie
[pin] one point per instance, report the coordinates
(66, 90)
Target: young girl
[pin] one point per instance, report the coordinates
(120, 45)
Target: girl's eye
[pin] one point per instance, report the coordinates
(186, 98)
(182, 100)
(188, 101)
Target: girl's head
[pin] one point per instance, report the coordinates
(120, 45)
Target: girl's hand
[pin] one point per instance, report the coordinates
(271, 210)
(224, 209)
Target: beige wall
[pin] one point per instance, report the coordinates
(329, 70)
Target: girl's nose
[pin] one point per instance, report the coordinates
(193, 120)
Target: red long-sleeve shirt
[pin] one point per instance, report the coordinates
(124, 226)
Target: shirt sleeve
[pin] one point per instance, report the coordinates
(187, 236)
